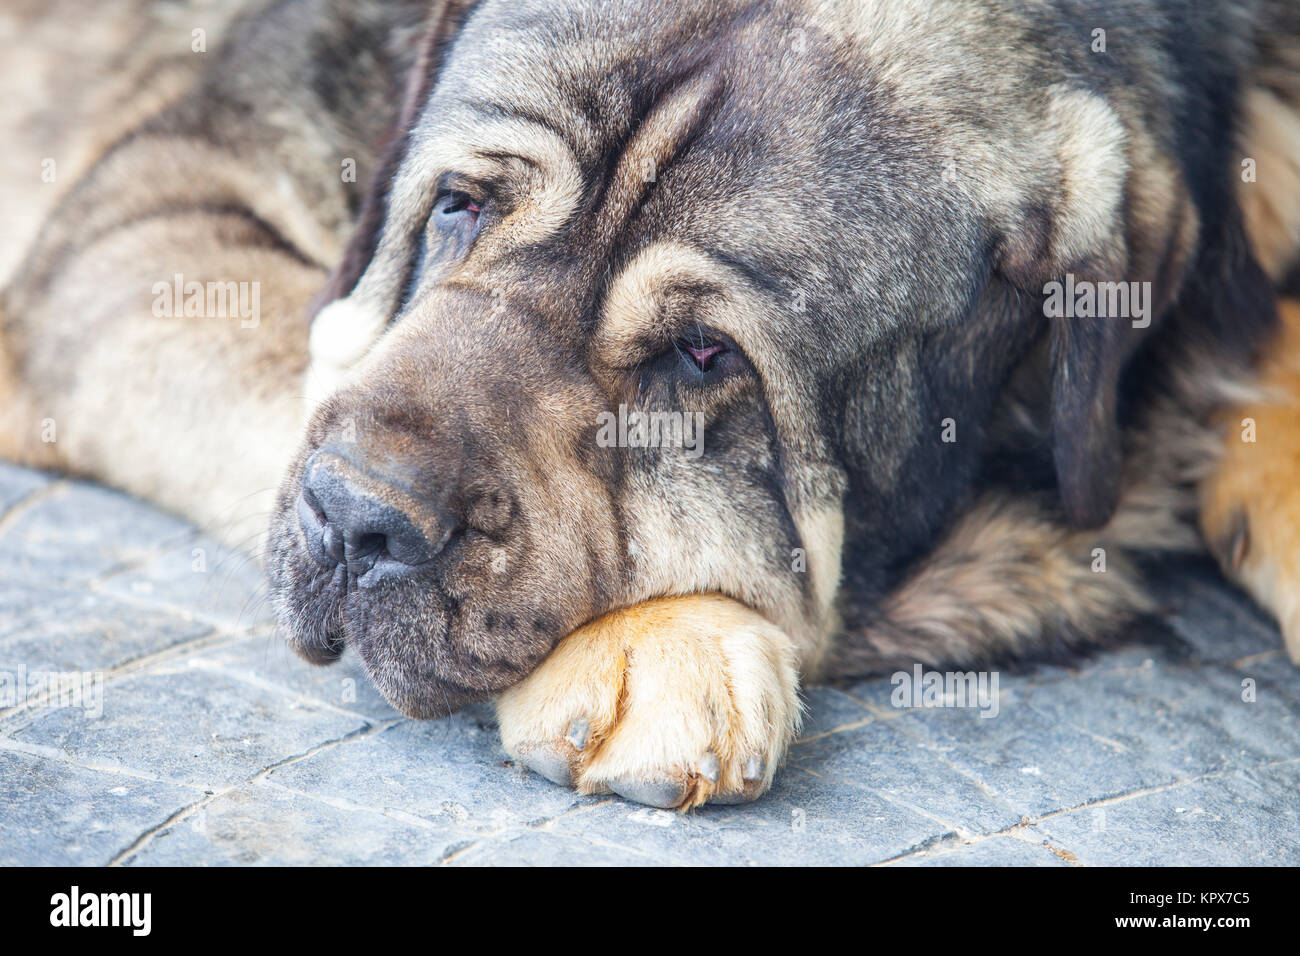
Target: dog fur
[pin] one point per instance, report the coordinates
(861, 202)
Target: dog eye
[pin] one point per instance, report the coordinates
(702, 354)
(451, 229)
(453, 207)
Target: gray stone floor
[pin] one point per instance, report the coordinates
(192, 736)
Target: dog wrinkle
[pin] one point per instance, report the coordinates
(646, 158)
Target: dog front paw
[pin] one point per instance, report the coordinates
(1250, 515)
(1250, 502)
(670, 703)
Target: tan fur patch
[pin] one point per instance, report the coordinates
(1250, 504)
(1270, 201)
(672, 702)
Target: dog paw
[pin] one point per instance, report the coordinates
(670, 703)
(1250, 503)
(1254, 532)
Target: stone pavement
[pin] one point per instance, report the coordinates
(192, 736)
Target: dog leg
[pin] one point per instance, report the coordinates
(1250, 504)
(671, 703)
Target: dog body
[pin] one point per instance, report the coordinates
(827, 234)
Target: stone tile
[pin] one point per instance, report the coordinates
(994, 851)
(1031, 758)
(264, 657)
(547, 848)
(1214, 622)
(261, 825)
(73, 628)
(1276, 683)
(828, 709)
(883, 758)
(1191, 721)
(17, 484)
(878, 693)
(59, 814)
(804, 819)
(80, 531)
(200, 578)
(190, 726)
(449, 771)
(1145, 753)
(1237, 818)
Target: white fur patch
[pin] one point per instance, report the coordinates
(341, 334)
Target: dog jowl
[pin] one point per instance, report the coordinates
(821, 232)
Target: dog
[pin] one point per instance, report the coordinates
(638, 363)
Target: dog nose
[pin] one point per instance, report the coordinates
(351, 518)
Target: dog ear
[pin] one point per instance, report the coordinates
(1119, 213)
(443, 23)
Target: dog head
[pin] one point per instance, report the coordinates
(656, 302)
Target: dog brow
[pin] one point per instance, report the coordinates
(485, 147)
(497, 134)
(495, 113)
(654, 145)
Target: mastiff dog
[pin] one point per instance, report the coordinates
(637, 361)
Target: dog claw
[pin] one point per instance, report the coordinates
(579, 730)
(665, 794)
(550, 764)
(709, 767)
(752, 773)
